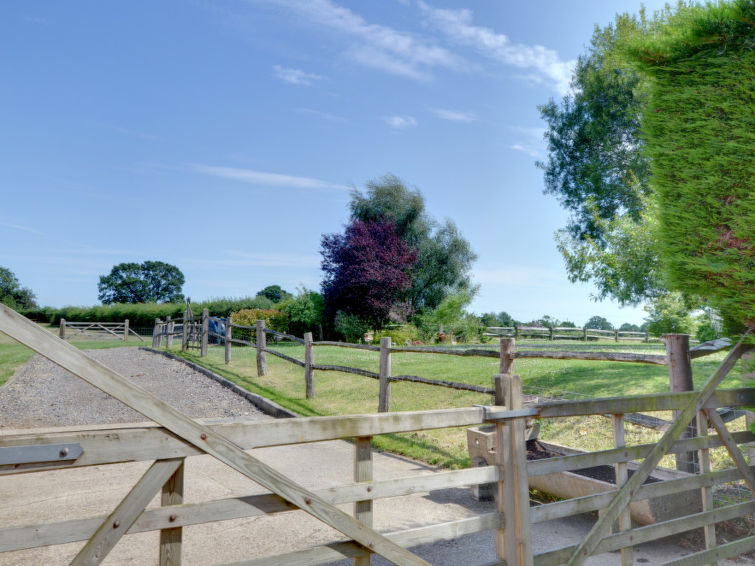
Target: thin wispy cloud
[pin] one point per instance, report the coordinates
(378, 46)
(400, 122)
(22, 228)
(531, 141)
(458, 26)
(454, 115)
(264, 178)
(295, 76)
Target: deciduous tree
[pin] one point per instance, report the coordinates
(367, 270)
(12, 294)
(148, 282)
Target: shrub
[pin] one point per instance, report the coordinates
(407, 333)
(351, 327)
(274, 319)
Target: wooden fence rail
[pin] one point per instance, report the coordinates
(512, 521)
(506, 354)
(566, 332)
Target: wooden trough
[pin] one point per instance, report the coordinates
(581, 483)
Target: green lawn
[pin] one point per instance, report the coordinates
(13, 355)
(340, 393)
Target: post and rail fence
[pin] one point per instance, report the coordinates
(173, 437)
(566, 333)
(677, 358)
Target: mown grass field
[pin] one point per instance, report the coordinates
(340, 393)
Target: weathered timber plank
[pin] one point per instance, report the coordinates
(597, 356)
(606, 457)
(442, 383)
(346, 345)
(477, 352)
(120, 520)
(624, 495)
(113, 443)
(72, 359)
(732, 448)
(171, 538)
(410, 537)
(346, 369)
(719, 553)
(650, 533)
(283, 356)
(46, 534)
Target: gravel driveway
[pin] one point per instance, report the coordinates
(42, 394)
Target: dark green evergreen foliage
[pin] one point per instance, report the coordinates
(628, 327)
(12, 294)
(148, 282)
(700, 135)
(444, 257)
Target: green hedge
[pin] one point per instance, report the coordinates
(144, 314)
(700, 134)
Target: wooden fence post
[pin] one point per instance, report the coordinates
(261, 345)
(362, 472)
(514, 541)
(125, 329)
(187, 320)
(748, 375)
(616, 335)
(170, 539)
(680, 379)
(156, 333)
(622, 475)
(227, 341)
(584, 334)
(62, 329)
(309, 373)
(205, 332)
(516, 331)
(551, 334)
(506, 364)
(384, 401)
(170, 326)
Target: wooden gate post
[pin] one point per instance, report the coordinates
(168, 332)
(125, 329)
(205, 332)
(514, 541)
(227, 340)
(170, 539)
(362, 472)
(261, 345)
(187, 321)
(680, 379)
(156, 334)
(62, 329)
(622, 475)
(309, 360)
(384, 400)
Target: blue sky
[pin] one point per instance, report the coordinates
(224, 137)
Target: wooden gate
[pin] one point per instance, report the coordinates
(179, 437)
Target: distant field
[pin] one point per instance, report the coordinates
(13, 355)
(339, 393)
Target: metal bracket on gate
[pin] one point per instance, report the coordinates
(39, 453)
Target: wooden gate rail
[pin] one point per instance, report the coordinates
(115, 444)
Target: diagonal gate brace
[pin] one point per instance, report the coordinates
(114, 384)
(625, 494)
